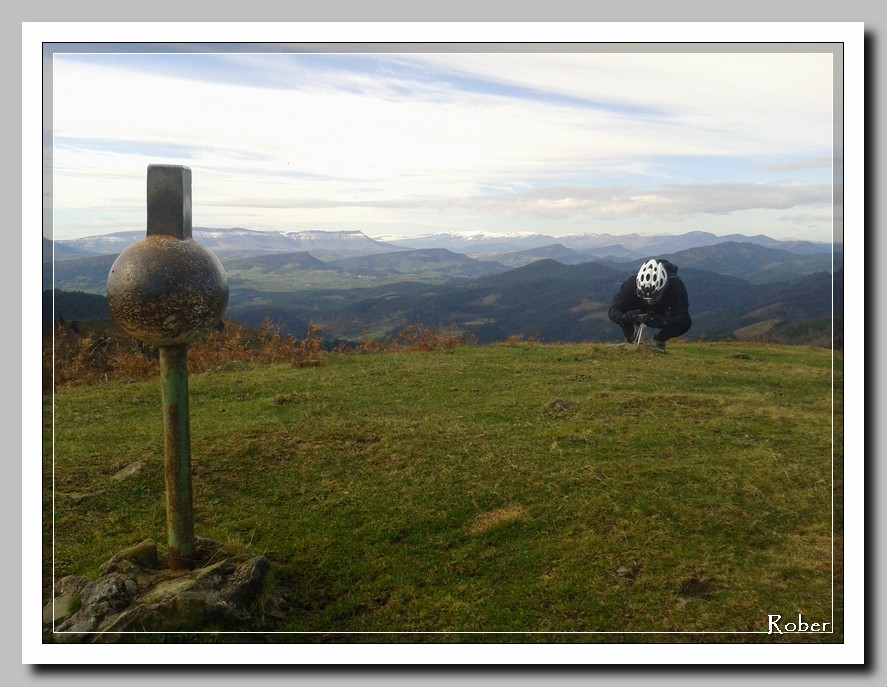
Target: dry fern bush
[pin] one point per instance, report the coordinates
(416, 337)
(73, 359)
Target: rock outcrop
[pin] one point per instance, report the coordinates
(135, 592)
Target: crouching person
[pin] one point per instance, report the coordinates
(656, 297)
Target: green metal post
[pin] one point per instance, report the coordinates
(169, 292)
(177, 455)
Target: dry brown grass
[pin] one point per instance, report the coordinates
(418, 337)
(71, 358)
(519, 340)
(500, 516)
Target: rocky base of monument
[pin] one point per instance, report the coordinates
(136, 593)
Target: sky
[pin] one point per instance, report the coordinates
(405, 144)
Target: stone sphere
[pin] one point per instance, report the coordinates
(166, 291)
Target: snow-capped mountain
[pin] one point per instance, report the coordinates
(481, 243)
(625, 247)
(242, 242)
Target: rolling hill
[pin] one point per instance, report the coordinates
(425, 264)
(737, 289)
(552, 302)
(754, 263)
(79, 274)
(554, 251)
(277, 263)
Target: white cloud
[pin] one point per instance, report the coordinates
(765, 96)
(393, 146)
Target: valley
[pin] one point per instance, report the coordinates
(355, 287)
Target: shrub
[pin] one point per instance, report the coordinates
(416, 337)
(72, 358)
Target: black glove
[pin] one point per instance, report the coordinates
(630, 317)
(655, 320)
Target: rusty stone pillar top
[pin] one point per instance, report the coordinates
(168, 290)
(169, 201)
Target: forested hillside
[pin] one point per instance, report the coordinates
(738, 289)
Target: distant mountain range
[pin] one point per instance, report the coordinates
(557, 290)
(627, 246)
(238, 242)
(234, 242)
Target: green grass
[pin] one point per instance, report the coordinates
(530, 488)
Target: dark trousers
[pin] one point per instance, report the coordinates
(675, 327)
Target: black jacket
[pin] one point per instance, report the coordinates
(674, 304)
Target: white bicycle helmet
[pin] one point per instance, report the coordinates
(651, 279)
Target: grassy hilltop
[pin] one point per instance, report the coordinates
(502, 488)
